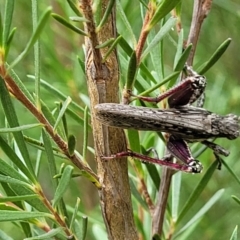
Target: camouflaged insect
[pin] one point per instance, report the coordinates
(182, 121)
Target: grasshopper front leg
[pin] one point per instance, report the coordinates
(217, 150)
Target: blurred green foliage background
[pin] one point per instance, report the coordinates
(60, 68)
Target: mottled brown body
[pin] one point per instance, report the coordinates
(187, 122)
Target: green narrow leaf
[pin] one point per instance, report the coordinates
(39, 145)
(13, 122)
(20, 128)
(171, 77)
(65, 126)
(176, 186)
(68, 24)
(19, 190)
(106, 44)
(131, 72)
(97, 9)
(112, 47)
(15, 159)
(106, 14)
(231, 171)
(63, 184)
(1, 32)
(71, 144)
(197, 191)
(215, 57)
(48, 235)
(38, 159)
(6, 216)
(81, 63)
(75, 213)
(47, 113)
(160, 135)
(10, 180)
(178, 9)
(166, 28)
(139, 225)
(10, 192)
(74, 7)
(50, 157)
(236, 199)
(180, 64)
(163, 8)
(199, 151)
(234, 233)
(77, 230)
(60, 129)
(77, 118)
(203, 210)
(21, 86)
(36, 55)
(99, 232)
(145, 71)
(8, 170)
(84, 224)
(143, 3)
(156, 54)
(125, 46)
(41, 24)
(26, 228)
(141, 84)
(92, 179)
(10, 38)
(8, 13)
(127, 24)
(78, 19)
(85, 134)
(154, 174)
(188, 233)
(134, 140)
(137, 196)
(62, 112)
(18, 198)
(4, 236)
(57, 93)
(183, 58)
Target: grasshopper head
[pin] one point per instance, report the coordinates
(230, 126)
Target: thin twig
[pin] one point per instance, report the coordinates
(200, 11)
(127, 93)
(56, 215)
(161, 205)
(146, 195)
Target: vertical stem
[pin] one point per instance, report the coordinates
(161, 205)
(200, 11)
(103, 80)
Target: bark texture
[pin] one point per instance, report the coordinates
(103, 81)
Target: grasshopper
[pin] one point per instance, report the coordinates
(183, 122)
